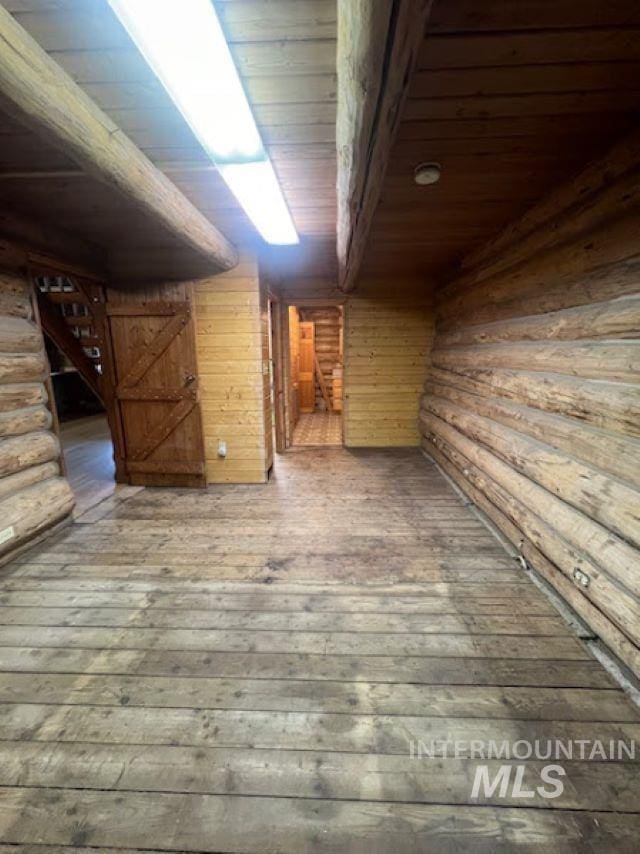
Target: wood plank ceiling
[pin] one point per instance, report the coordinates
(285, 51)
(510, 97)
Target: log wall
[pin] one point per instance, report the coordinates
(532, 404)
(328, 331)
(387, 338)
(233, 353)
(33, 494)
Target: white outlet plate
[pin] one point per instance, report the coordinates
(7, 534)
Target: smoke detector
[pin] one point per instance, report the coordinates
(427, 173)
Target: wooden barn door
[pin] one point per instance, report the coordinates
(307, 372)
(157, 392)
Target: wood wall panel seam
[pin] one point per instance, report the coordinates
(387, 338)
(231, 332)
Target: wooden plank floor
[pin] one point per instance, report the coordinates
(244, 669)
(88, 454)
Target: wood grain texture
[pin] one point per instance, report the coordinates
(32, 495)
(286, 58)
(232, 352)
(533, 401)
(260, 678)
(26, 420)
(58, 330)
(89, 460)
(387, 342)
(327, 322)
(153, 341)
(510, 100)
(378, 46)
(50, 102)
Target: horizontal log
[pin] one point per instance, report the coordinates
(15, 305)
(18, 421)
(620, 605)
(534, 401)
(48, 100)
(21, 395)
(612, 319)
(609, 360)
(559, 209)
(600, 497)
(13, 483)
(611, 281)
(14, 296)
(14, 283)
(19, 335)
(33, 509)
(615, 557)
(615, 639)
(22, 367)
(31, 449)
(608, 406)
(610, 247)
(587, 213)
(617, 455)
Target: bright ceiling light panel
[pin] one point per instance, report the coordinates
(184, 44)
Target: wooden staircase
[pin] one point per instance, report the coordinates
(73, 315)
(69, 319)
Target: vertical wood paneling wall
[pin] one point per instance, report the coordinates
(33, 495)
(232, 346)
(533, 400)
(291, 355)
(387, 339)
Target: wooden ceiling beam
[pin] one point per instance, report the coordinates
(46, 99)
(378, 45)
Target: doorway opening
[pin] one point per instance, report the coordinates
(73, 344)
(316, 361)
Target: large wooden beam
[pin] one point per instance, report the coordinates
(46, 99)
(378, 43)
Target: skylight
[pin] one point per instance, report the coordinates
(184, 44)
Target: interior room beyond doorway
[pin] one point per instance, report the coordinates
(315, 381)
(76, 366)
